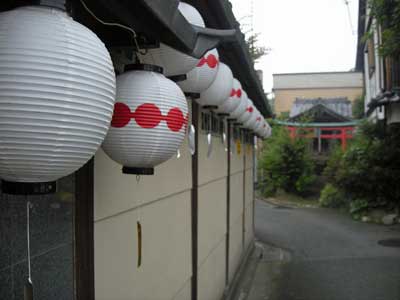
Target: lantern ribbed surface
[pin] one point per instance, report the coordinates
(149, 121)
(249, 124)
(247, 113)
(220, 89)
(174, 62)
(241, 109)
(57, 91)
(233, 100)
(258, 121)
(203, 75)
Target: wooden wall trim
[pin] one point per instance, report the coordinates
(84, 232)
(194, 201)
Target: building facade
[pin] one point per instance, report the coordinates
(289, 87)
(381, 74)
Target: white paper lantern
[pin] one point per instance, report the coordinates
(253, 116)
(149, 121)
(219, 90)
(247, 113)
(203, 75)
(259, 120)
(233, 100)
(241, 109)
(173, 61)
(57, 91)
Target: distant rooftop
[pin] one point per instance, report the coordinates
(340, 106)
(322, 80)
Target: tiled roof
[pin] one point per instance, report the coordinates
(341, 106)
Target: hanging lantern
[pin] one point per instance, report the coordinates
(173, 62)
(247, 113)
(57, 91)
(201, 77)
(258, 123)
(149, 121)
(234, 99)
(253, 117)
(241, 109)
(219, 90)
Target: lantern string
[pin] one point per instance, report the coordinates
(116, 25)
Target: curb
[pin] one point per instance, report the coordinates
(231, 289)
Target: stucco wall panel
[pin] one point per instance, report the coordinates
(166, 254)
(212, 217)
(249, 232)
(235, 246)
(236, 202)
(116, 192)
(212, 274)
(216, 165)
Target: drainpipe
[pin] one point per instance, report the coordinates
(194, 202)
(228, 202)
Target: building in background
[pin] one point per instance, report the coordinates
(289, 87)
(327, 121)
(381, 74)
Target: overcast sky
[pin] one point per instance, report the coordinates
(304, 35)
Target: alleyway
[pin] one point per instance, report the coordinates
(332, 257)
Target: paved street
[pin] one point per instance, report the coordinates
(332, 257)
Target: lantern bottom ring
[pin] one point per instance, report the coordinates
(238, 124)
(178, 78)
(192, 96)
(223, 114)
(28, 188)
(210, 107)
(138, 171)
(231, 120)
(144, 67)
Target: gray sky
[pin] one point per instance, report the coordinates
(304, 35)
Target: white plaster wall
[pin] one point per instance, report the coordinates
(166, 256)
(212, 274)
(162, 204)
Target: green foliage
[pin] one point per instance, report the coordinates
(357, 206)
(369, 170)
(359, 108)
(256, 52)
(332, 197)
(387, 13)
(287, 163)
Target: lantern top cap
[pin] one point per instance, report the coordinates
(55, 4)
(144, 67)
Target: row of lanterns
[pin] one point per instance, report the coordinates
(59, 95)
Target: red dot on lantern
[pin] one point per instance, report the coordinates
(175, 119)
(147, 115)
(121, 116)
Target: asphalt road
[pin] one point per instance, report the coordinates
(333, 257)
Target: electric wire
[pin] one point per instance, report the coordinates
(133, 32)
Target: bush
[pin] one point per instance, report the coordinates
(287, 163)
(369, 170)
(332, 197)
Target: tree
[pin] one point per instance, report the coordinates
(358, 108)
(256, 52)
(387, 13)
(287, 163)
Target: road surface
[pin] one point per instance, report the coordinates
(332, 256)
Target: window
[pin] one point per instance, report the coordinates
(211, 123)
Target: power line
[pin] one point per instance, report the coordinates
(347, 3)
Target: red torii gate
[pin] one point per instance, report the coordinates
(324, 133)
